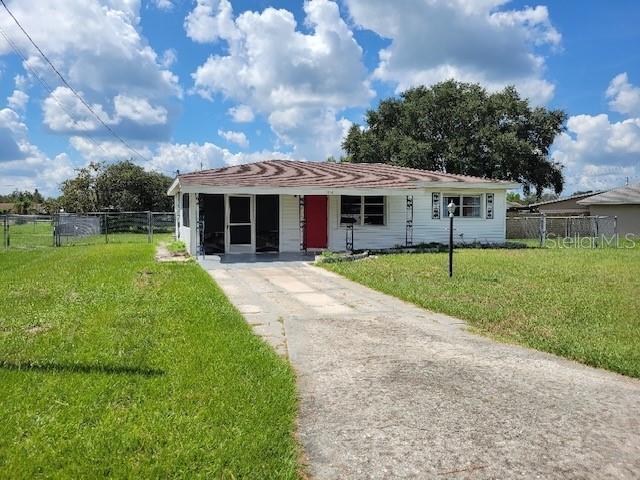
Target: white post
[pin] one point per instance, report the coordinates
(193, 224)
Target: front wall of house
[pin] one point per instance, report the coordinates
(393, 233)
(425, 228)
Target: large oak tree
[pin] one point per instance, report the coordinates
(120, 186)
(460, 128)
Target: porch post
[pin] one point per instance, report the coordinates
(409, 222)
(302, 224)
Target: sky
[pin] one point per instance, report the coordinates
(208, 83)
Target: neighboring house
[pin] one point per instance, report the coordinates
(289, 206)
(6, 207)
(514, 208)
(623, 203)
(563, 207)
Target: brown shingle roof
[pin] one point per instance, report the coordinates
(290, 173)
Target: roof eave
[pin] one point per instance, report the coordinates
(173, 189)
(480, 185)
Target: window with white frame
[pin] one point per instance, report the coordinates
(466, 205)
(362, 210)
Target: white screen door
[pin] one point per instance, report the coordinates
(240, 224)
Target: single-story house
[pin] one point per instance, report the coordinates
(623, 203)
(292, 206)
(564, 206)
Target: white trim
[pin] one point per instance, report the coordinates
(173, 189)
(480, 185)
(240, 248)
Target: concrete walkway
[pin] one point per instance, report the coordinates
(388, 390)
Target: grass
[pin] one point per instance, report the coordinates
(39, 234)
(578, 303)
(177, 247)
(114, 365)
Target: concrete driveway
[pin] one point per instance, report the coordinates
(388, 390)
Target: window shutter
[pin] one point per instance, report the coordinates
(489, 209)
(435, 205)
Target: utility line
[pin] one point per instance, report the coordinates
(49, 89)
(64, 81)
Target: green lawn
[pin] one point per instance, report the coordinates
(38, 234)
(582, 304)
(114, 365)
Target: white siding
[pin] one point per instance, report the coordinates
(425, 229)
(289, 224)
(184, 233)
(370, 236)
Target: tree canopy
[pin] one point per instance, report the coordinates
(24, 202)
(460, 128)
(121, 186)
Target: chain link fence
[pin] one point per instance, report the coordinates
(62, 229)
(543, 229)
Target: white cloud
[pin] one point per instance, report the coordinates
(624, 97)
(134, 117)
(165, 5)
(98, 47)
(239, 138)
(96, 44)
(22, 164)
(211, 20)
(107, 150)
(194, 156)
(169, 57)
(64, 112)
(598, 153)
(471, 41)
(139, 110)
(289, 75)
(241, 114)
(314, 132)
(18, 100)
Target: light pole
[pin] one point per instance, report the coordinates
(452, 209)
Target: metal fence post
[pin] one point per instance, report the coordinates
(149, 227)
(543, 229)
(106, 228)
(5, 231)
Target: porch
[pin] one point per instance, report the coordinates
(257, 224)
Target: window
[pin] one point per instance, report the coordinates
(471, 206)
(362, 210)
(185, 209)
(373, 210)
(466, 205)
(350, 209)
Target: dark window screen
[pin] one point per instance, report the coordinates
(185, 209)
(240, 234)
(240, 210)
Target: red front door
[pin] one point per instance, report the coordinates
(315, 214)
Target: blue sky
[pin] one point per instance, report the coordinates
(212, 82)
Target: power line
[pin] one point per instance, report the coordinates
(64, 81)
(48, 88)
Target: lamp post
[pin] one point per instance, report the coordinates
(452, 209)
